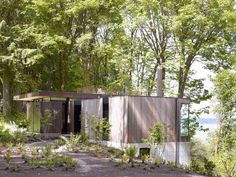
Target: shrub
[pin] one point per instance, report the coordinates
(130, 153)
(5, 136)
(144, 158)
(21, 148)
(19, 137)
(157, 161)
(106, 129)
(101, 128)
(170, 164)
(185, 167)
(50, 164)
(1, 145)
(50, 161)
(34, 137)
(47, 151)
(36, 162)
(75, 142)
(19, 118)
(200, 162)
(156, 135)
(144, 154)
(69, 162)
(59, 142)
(7, 156)
(47, 120)
(116, 152)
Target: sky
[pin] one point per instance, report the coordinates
(206, 120)
(202, 73)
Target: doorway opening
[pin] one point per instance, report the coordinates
(77, 117)
(64, 117)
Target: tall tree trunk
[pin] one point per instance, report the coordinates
(183, 75)
(7, 92)
(85, 75)
(63, 71)
(180, 88)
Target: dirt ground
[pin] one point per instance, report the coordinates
(89, 166)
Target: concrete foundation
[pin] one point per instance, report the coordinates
(165, 151)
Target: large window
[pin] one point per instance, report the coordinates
(184, 120)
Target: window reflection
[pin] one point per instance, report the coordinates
(184, 120)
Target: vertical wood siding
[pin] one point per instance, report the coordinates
(91, 109)
(33, 116)
(57, 122)
(145, 112)
(118, 113)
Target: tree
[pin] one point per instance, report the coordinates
(225, 141)
(197, 25)
(16, 52)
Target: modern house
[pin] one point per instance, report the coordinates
(130, 118)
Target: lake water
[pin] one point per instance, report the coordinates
(210, 123)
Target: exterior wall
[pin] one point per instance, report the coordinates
(166, 151)
(91, 109)
(57, 122)
(33, 116)
(184, 153)
(70, 119)
(118, 116)
(132, 116)
(35, 110)
(144, 112)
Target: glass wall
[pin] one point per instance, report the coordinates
(184, 120)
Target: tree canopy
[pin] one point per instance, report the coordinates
(75, 45)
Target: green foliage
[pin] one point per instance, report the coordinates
(97, 128)
(130, 153)
(12, 128)
(18, 118)
(225, 162)
(194, 125)
(21, 148)
(59, 142)
(200, 158)
(35, 162)
(50, 164)
(170, 164)
(144, 158)
(1, 145)
(47, 151)
(19, 137)
(5, 135)
(106, 129)
(224, 139)
(51, 160)
(157, 161)
(144, 154)
(101, 128)
(185, 167)
(75, 142)
(116, 152)
(47, 120)
(51, 43)
(8, 154)
(157, 135)
(69, 162)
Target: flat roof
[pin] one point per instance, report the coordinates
(55, 94)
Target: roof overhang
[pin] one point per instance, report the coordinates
(56, 95)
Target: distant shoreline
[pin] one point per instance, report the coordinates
(208, 121)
